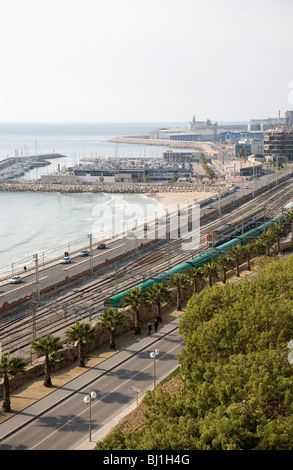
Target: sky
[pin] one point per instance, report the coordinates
(145, 60)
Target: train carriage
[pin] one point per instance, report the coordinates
(236, 227)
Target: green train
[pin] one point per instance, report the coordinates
(211, 255)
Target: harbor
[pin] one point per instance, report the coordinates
(14, 168)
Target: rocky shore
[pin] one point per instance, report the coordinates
(142, 188)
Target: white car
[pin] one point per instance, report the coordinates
(66, 260)
(15, 280)
(160, 221)
(246, 187)
(210, 206)
(83, 253)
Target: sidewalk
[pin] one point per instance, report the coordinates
(97, 366)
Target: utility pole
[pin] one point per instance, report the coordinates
(91, 252)
(37, 278)
(34, 310)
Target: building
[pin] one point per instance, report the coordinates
(134, 175)
(278, 144)
(246, 147)
(245, 169)
(171, 157)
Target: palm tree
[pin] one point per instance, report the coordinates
(81, 333)
(289, 219)
(182, 283)
(9, 367)
(210, 270)
(110, 320)
(260, 246)
(236, 253)
(249, 250)
(267, 238)
(158, 294)
(279, 231)
(195, 275)
(224, 263)
(135, 298)
(48, 346)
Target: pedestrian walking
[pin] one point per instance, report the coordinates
(24, 268)
(149, 328)
(156, 324)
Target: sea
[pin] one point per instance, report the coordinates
(50, 224)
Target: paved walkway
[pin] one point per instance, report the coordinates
(62, 393)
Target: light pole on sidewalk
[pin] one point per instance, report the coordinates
(153, 355)
(88, 400)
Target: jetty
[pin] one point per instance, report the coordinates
(139, 188)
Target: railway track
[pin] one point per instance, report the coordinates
(86, 302)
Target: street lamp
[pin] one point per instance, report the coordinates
(88, 400)
(153, 355)
(290, 354)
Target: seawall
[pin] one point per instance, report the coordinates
(141, 188)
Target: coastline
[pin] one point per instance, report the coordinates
(171, 198)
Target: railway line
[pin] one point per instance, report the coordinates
(86, 301)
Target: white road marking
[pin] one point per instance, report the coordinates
(102, 398)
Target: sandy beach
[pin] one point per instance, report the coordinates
(182, 198)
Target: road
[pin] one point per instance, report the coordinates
(60, 421)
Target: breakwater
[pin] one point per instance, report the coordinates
(205, 147)
(141, 188)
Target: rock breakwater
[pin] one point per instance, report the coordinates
(100, 188)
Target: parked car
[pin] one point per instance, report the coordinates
(101, 246)
(130, 234)
(84, 253)
(66, 260)
(210, 206)
(15, 280)
(160, 221)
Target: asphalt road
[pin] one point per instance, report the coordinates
(60, 421)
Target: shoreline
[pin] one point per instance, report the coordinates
(185, 198)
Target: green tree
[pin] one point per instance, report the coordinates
(48, 346)
(288, 217)
(81, 334)
(267, 238)
(278, 231)
(236, 253)
(224, 264)
(249, 250)
(210, 271)
(181, 283)
(195, 275)
(260, 247)
(110, 320)
(135, 298)
(9, 367)
(158, 293)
